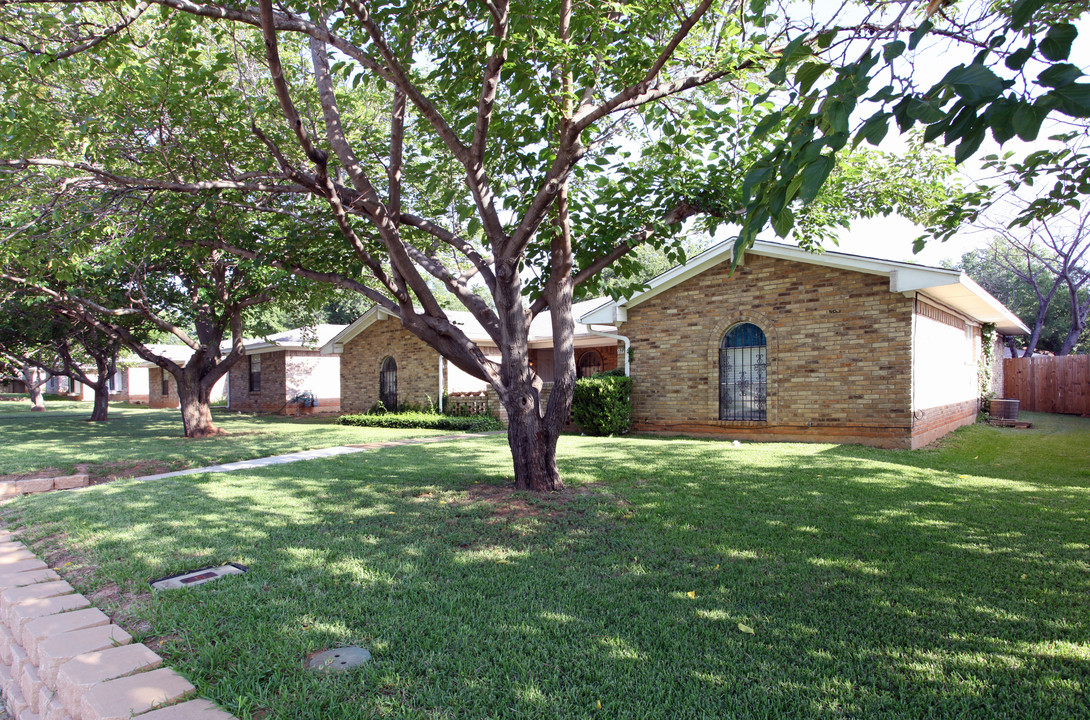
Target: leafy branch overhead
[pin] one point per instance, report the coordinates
(1018, 78)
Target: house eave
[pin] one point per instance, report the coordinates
(336, 344)
(948, 286)
(968, 297)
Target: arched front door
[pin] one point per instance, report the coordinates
(387, 384)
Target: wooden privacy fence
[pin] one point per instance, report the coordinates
(1049, 384)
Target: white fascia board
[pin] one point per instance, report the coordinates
(613, 312)
(336, 344)
(603, 315)
(264, 348)
(910, 279)
(843, 261)
(579, 341)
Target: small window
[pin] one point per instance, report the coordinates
(387, 384)
(590, 363)
(742, 379)
(116, 382)
(255, 373)
(165, 385)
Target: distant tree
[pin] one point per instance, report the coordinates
(631, 273)
(24, 364)
(1042, 272)
(44, 335)
(1024, 285)
(143, 267)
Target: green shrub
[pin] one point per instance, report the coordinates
(602, 404)
(406, 407)
(429, 421)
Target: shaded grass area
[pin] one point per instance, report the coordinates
(951, 582)
(140, 440)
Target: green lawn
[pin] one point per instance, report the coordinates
(139, 440)
(946, 583)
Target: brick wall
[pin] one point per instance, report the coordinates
(931, 424)
(156, 399)
(839, 353)
(271, 395)
(417, 367)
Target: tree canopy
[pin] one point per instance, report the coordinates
(391, 148)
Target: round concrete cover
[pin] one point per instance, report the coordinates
(343, 658)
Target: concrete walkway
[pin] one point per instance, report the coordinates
(313, 455)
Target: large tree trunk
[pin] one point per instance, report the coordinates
(102, 392)
(102, 403)
(1035, 335)
(1072, 339)
(193, 397)
(34, 378)
(1079, 313)
(533, 447)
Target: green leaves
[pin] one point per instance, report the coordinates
(893, 50)
(918, 34)
(1074, 99)
(1023, 12)
(1057, 43)
(974, 83)
(1027, 120)
(814, 176)
(1059, 75)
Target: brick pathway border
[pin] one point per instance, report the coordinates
(61, 659)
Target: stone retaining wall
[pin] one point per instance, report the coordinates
(61, 659)
(30, 486)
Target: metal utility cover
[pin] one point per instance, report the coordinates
(197, 577)
(344, 658)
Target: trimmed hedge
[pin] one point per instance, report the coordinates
(602, 404)
(428, 421)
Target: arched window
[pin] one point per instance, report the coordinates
(742, 383)
(387, 384)
(590, 363)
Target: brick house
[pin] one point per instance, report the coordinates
(797, 346)
(131, 382)
(381, 360)
(162, 387)
(281, 368)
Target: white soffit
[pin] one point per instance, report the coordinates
(971, 299)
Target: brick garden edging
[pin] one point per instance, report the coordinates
(29, 486)
(61, 659)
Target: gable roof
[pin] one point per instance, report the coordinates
(949, 287)
(300, 338)
(540, 327)
(179, 354)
